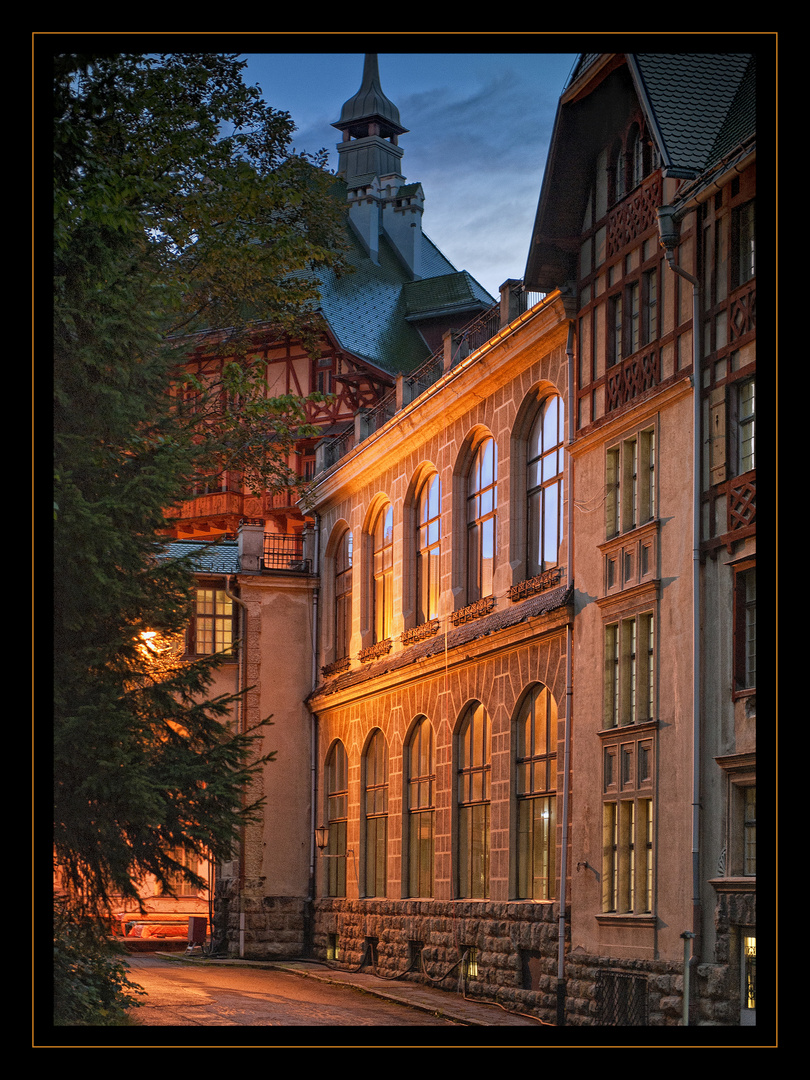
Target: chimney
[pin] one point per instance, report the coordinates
(251, 546)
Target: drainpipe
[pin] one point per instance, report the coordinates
(569, 641)
(313, 764)
(668, 228)
(241, 681)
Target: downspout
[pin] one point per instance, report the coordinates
(313, 736)
(569, 641)
(668, 229)
(241, 681)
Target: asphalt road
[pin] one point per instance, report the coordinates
(183, 995)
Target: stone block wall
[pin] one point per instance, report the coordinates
(515, 945)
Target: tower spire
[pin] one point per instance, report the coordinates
(370, 112)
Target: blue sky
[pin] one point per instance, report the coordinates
(478, 125)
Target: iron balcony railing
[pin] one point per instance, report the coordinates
(284, 551)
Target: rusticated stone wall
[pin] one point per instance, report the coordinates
(260, 928)
(515, 945)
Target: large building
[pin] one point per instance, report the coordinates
(510, 647)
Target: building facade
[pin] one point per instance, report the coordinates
(512, 665)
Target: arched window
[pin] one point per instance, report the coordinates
(421, 779)
(482, 503)
(545, 486)
(383, 573)
(535, 788)
(474, 763)
(343, 596)
(427, 549)
(376, 815)
(337, 809)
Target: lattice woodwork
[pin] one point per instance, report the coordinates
(634, 215)
(742, 505)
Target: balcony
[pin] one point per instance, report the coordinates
(285, 551)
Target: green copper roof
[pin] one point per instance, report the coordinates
(372, 311)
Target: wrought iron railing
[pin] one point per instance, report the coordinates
(284, 551)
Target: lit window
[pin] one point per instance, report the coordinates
(427, 549)
(481, 520)
(212, 628)
(337, 798)
(383, 573)
(473, 803)
(421, 809)
(536, 783)
(545, 486)
(376, 814)
(343, 596)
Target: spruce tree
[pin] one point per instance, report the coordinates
(179, 209)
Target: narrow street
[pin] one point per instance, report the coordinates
(185, 995)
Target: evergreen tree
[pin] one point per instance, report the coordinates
(178, 210)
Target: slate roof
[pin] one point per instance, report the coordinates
(207, 556)
(700, 107)
(368, 310)
(460, 635)
(704, 104)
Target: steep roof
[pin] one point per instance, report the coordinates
(373, 312)
(701, 104)
(699, 107)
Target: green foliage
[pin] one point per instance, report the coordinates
(91, 986)
(176, 209)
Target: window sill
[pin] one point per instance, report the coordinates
(614, 918)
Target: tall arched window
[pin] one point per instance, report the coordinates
(376, 815)
(482, 505)
(421, 780)
(535, 787)
(474, 763)
(427, 549)
(337, 809)
(383, 573)
(545, 463)
(343, 596)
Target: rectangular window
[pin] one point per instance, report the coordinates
(212, 629)
(627, 856)
(630, 483)
(744, 254)
(650, 309)
(629, 671)
(746, 444)
(745, 629)
(615, 330)
(750, 832)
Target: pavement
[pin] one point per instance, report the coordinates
(452, 1005)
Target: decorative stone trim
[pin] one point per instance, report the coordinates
(337, 668)
(419, 633)
(375, 651)
(549, 579)
(473, 611)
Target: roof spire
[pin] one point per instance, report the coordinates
(370, 112)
